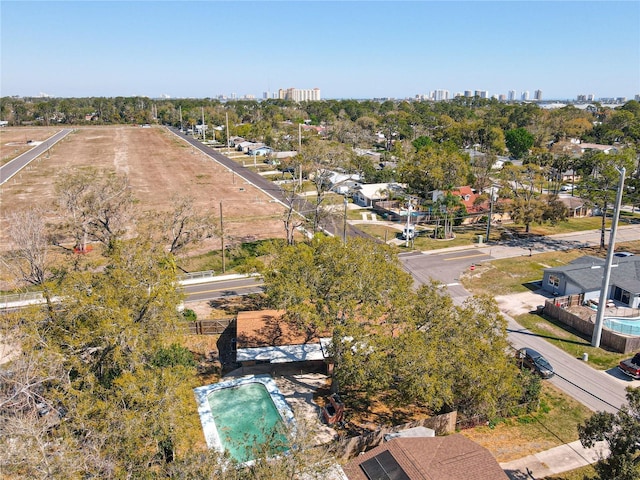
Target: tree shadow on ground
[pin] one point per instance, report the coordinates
(232, 304)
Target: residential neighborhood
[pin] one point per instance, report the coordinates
(305, 243)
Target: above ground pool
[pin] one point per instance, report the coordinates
(627, 326)
(243, 415)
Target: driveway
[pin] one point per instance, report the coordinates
(516, 304)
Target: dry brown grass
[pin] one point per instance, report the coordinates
(159, 166)
(13, 141)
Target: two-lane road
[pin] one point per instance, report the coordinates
(332, 225)
(225, 288)
(14, 166)
(599, 391)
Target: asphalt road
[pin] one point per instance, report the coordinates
(334, 226)
(225, 288)
(598, 390)
(14, 166)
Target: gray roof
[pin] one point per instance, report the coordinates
(587, 272)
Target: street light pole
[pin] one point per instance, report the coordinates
(604, 291)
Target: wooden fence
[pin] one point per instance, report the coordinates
(350, 447)
(556, 309)
(209, 327)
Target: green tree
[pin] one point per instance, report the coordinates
(101, 383)
(326, 286)
(521, 183)
(518, 141)
(389, 340)
(600, 179)
(621, 432)
(434, 167)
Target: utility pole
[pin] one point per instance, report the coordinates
(224, 269)
(344, 227)
(226, 114)
(299, 138)
(181, 128)
(408, 224)
(490, 214)
(604, 291)
(204, 132)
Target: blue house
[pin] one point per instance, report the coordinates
(584, 276)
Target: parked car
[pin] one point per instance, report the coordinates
(530, 358)
(631, 366)
(623, 254)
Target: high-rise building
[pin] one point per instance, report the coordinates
(502, 97)
(581, 98)
(591, 97)
(440, 95)
(468, 93)
(298, 95)
(525, 96)
(537, 95)
(512, 95)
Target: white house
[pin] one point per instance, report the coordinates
(367, 194)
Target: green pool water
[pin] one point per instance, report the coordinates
(246, 418)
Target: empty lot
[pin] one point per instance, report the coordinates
(159, 166)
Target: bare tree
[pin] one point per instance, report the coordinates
(292, 218)
(98, 205)
(183, 226)
(28, 258)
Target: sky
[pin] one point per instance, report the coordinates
(347, 49)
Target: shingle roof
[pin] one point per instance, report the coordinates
(451, 457)
(587, 272)
(265, 328)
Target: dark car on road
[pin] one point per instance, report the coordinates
(529, 358)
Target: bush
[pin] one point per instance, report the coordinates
(189, 315)
(173, 356)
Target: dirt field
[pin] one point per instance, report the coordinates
(13, 141)
(158, 164)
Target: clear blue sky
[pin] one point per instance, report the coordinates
(348, 49)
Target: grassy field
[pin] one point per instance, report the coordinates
(514, 275)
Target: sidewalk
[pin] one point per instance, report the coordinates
(554, 461)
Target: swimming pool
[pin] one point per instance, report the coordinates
(243, 414)
(628, 326)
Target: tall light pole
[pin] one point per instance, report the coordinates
(604, 291)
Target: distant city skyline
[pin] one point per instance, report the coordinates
(348, 49)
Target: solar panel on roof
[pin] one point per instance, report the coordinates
(383, 467)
